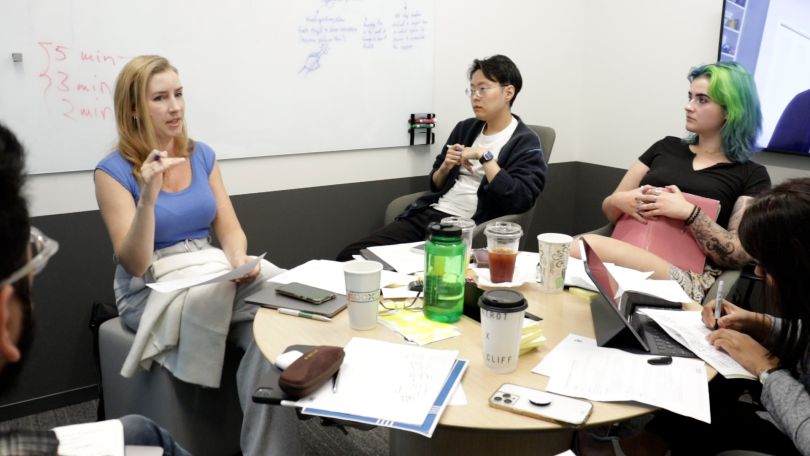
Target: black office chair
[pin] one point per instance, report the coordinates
(547, 137)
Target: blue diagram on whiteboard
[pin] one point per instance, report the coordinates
(352, 23)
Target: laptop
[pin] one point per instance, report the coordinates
(617, 323)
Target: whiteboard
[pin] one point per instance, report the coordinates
(260, 77)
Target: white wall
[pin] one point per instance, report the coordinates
(608, 75)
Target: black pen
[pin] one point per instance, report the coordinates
(718, 305)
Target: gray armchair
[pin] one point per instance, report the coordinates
(547, 137)
(203, 420)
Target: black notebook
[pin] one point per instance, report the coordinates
(267, 297)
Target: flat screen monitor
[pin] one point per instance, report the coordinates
(772, 39)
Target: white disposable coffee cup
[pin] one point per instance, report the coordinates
(502, 313)
(362, 292)
(553, 249)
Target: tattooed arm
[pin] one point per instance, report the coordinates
(721, 245)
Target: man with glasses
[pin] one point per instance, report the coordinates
(491, 166)
(24, 252)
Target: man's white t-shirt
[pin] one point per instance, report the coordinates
(462, 198)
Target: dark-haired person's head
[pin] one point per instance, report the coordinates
(15, 292)
(494, 84)
(775, 231)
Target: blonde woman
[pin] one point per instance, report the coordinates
(159, 194)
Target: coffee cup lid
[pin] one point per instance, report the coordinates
(505, 230)
(503, 301)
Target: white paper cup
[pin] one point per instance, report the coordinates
(362, 292)
(553, 249)
(502, 313)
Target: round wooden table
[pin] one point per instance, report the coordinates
(475, 428)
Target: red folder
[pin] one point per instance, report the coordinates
(668, 238)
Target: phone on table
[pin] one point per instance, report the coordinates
(541, 404)
(306, 293)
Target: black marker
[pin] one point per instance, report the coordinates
(661, 361)
(532, 316)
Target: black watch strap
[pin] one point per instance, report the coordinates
(486, 157)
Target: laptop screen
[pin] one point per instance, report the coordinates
(600, 275)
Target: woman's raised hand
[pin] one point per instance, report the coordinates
(152, 173)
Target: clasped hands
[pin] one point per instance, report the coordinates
(648, 202)
(458, 154)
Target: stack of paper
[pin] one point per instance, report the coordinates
(531, 336)
(392, 385)
(628, 280)
(416, 328)
(401, 257)
(328, 275)
(99, 438)
(578, 367)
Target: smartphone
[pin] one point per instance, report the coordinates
(541, 404)
(306, 293)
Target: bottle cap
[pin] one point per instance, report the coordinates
(505, 301)
(444, 229)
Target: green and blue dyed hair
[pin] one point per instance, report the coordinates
(732, 87)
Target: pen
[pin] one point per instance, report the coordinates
(337, 381)
(718, 304)
(298, 313)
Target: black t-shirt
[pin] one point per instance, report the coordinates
(670, 163)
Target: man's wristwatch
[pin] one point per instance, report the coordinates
(486, 157)
(764, 374)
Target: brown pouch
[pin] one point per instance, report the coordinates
(311, 370)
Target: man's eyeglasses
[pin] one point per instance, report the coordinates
(42, 248)
(480, 92)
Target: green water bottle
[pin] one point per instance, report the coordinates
(444, 273)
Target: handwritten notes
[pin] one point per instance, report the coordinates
(388, 381)
(78, 95)
(335, 24)
(59, 96)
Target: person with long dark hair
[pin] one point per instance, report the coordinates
(775, 231)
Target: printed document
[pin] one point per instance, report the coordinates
(103, 438)
(328, 275)
(628, 280)
(188, 282)
(687, 328)
(401, 257)
(578, 367)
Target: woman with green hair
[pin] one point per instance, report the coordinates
(723, 118)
